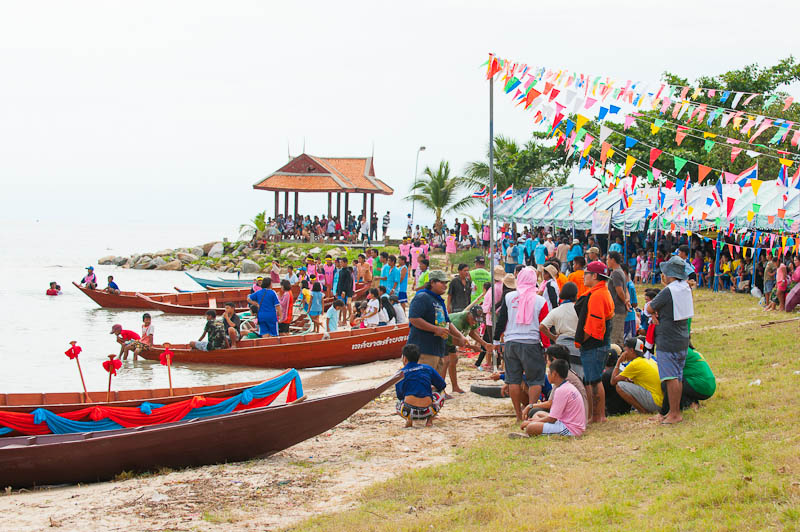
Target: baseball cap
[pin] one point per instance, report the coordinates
(480, 259)
(597, 267)
(116, 328)
(90, 267)
(593, 250)
(438, 275)
(477, 313)
(575, 241)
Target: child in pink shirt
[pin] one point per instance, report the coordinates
(567, 416)
(450, 249)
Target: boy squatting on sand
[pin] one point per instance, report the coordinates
(415, 396)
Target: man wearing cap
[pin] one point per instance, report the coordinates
(479, 276)
(90, 279)
(467, 322)
(593, 335)
(575, 251)
(550, 245)
(670, 310)
(125, 338)
(429, 323)
(618, 286)
(592, 254)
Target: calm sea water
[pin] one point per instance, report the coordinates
(37, 329)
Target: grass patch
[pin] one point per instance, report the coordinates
(732, 465)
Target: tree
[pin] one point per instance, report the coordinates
(257, 225)
(535, 164)
(438, 191)
(715, 153)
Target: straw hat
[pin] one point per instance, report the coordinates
(499, 273)
(509, 280)
(551, 270)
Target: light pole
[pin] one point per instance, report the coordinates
(416, 165)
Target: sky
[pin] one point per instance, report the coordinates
(168, 112)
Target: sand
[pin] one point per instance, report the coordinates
(323, 474)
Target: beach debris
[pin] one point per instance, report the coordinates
(159, 497)
(756, 382)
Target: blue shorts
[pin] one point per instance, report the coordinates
(268, 326)
(594, 362)
(402, 297)
(670, 364)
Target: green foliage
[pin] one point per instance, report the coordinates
(257, 225)
(750, 78)
(533, 164)
(438, 191)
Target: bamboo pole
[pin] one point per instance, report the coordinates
(108, 393)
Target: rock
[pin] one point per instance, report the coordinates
(109, 259)
(198, 251)
(292, 256)
(207, 247)
(286, 251)
(186, 257)
(337, 252)
(164, 253)
(249, 266)
(314, 250)
(120, 261)
(215, 251)
(174, 265)
(155, 263)
(241, 246)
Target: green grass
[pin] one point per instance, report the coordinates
(733, 465)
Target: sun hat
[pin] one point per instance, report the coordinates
(552, 271)
(575, 241)
(549, 235)
(438, 275)
(499, 273)
(509, 280)
(598, 268)
(674, 267)
(593, 250)
(116, 328)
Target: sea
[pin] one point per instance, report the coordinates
(38, 328)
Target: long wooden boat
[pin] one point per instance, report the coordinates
(65, 401)
(88, 457)
(342, 348)
(221, 283)
(197, 303)
(121, 300)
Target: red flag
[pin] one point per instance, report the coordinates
(731, 202)
(702, 172)
(654, 153)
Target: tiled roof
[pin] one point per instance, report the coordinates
(307, 173)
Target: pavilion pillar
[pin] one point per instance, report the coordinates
(371, 206)
(339, 205)
(296, 197)
(346, 205)
(364, 209)
(330, 194)
(277, 203)
(286, 203)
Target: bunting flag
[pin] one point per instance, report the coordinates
(717, 193)
(507, 194)
(702, 172)
(629, 161)
(654, 154)
(480, 193)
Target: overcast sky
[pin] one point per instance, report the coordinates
(121, 112)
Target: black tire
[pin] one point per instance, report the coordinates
(488, 390)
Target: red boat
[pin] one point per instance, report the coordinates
(197, 303)
(121, 300)
(341, 348)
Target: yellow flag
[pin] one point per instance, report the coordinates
(707, 135)
(654, 128)
(690, 210)
(689, 233)
(580, 121)
(785, 162)
(750, 215)
(756, 184)
(629, 164)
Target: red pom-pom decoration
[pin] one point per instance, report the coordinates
(73, 351)
(166, 358)
(112, 366)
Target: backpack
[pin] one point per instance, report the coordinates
(216, 335)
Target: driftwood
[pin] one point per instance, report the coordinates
(778, 321)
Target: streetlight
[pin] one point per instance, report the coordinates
(416, 164)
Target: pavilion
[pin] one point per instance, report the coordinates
(339, 175)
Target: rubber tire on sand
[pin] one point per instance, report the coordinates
(488, 390)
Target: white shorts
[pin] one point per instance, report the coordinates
(556, 427)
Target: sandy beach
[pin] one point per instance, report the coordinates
(323, 474)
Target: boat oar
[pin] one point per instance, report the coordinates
(111, 366)
(73, 353)
(166, 360)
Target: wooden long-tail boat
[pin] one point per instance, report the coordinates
(221, 283)
(340, 348)
(88, 457)
(121, 300)
(197, 303)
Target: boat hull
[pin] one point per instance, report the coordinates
(121, 300)
(343, 348)
(221, 283)
(89, 457)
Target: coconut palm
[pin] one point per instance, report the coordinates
(257, 225)
(437, 191)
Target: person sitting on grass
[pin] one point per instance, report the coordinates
(638, 384)
(415, 396)
(553, 353)
(567, 416)
(112, 287)
(332, 315)
(215, 331)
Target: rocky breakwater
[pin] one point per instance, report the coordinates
(222, 256)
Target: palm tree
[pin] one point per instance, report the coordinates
(438, 192)
(257, 225)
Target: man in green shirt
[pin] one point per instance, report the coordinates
(699, 382)
(422, 277)
(467, 322)
(479, 276)
(377, 266)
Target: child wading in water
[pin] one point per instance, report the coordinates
(415, 396)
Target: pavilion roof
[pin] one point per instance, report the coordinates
(309, 173)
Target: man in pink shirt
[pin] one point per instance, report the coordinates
(451, 248)
(567, 416)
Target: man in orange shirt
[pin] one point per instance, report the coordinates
(578, 264)
(595, 313)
